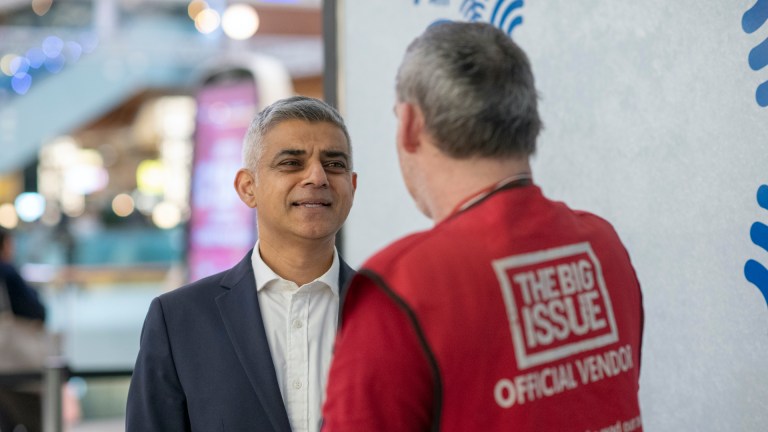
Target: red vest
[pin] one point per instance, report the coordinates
(530, 312)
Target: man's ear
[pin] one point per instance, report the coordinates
(410, 126)
(245, 185)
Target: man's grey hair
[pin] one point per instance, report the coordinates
(292, 108)
(475, 88)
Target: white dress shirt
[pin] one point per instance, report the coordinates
(301, 326)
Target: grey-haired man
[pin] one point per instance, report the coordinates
(514, 312)
(249, 348)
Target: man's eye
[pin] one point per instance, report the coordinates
(336, 165)
(290, 163)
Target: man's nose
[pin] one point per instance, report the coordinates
(316, 175)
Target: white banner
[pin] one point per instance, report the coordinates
(655, 119)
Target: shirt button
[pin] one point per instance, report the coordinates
(297, 384)
(297, 324)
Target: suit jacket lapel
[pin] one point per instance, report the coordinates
(345, 274)
(239, 307)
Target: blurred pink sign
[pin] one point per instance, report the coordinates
(221, 228)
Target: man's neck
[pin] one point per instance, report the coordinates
(449, 182)
(300, 262)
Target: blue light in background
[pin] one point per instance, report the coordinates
(21, 82)
(36, 57)
(89, 41)
(19, 65)
(30, 206)
(73, 51)
(52, 56)
(55, 64)
(52, 46)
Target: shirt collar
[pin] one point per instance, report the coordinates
(265, 275)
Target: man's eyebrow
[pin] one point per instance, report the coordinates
(289, 152)
(335, 154)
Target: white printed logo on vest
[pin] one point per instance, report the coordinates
(556, 302)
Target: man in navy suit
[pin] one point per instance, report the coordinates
(248, 349)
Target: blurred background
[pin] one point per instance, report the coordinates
(120, 130)
(121, 123)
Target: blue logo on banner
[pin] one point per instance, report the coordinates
(753, 270)
(501, 13)
(472, 10)
(502, 16)
(440, 2)
(752, 20)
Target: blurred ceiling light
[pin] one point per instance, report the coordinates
(41, 7)
(30, 206)
(166, 215)
(5, 63)
(89, 41)
(52, 46)
(19, 65)
(56, 157)
(207, 21)
(90, 157)
(150, 177)
(175, 116)
(86, 179)
(123, 205)
(8, 217)
(52, 215)
(36, 57)
(87, 175)
(62, 151)
(73, 204)
(73, 50)
(54, 64)
(240, 21)
(195, 7)
(144, 203)
(177, 151)
(21, 83)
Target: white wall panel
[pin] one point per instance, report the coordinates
(650, 121)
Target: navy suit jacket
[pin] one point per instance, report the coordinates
(204, 362)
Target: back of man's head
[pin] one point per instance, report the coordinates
(475, 87)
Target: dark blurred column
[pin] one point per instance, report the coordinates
(29, 175)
